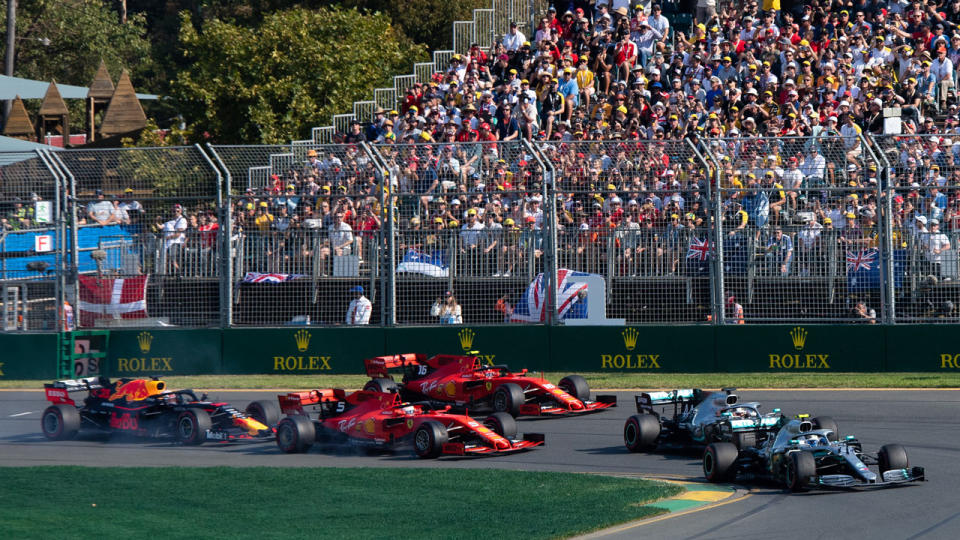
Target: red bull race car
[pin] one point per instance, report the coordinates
(382, 421)
(146, 408)
(466, 383)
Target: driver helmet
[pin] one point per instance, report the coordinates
(409, 409)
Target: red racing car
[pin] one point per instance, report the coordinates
(381, 421)
(145, 408)
(466, 383)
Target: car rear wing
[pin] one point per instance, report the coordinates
(59, 391)
(648, 400)
(378, 366)
(294, 402)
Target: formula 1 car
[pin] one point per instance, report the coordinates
(144, 407)
(466, 383)
(381, 421)
(802, 456)
(693, 418)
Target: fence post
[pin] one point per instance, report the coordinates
(224, 281)
(550, 266)
(226, 247)
(387, 261)
(715, 193)
(889, 292)
(71, 190)
(61, 233)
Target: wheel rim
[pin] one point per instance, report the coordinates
(790, 475)
(51, 423)
(630, 434)
(708, 464)
(500, 401)
(285, 435)
(422, 440)
(186, 428)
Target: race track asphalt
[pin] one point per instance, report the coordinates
(927, 423)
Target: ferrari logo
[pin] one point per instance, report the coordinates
(409, 423)
(489, 386)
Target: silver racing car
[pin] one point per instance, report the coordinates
(801, 456)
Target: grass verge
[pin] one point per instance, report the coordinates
(266, 502)
(596, 381)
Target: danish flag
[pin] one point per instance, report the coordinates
(112, 298)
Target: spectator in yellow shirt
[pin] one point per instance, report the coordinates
(585, 82)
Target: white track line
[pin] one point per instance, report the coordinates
(20, 414)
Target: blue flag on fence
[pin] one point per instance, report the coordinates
(418, 262)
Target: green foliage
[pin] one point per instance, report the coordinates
(425, 21)
(81, 32)
(296, 69)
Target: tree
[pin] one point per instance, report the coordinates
(291, 72)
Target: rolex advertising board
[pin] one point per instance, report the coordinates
(661, 349)
(28, 356)
(796, 348)
(301, 349)
(142, 353)
(519, 346)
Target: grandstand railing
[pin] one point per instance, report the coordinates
(251, 252)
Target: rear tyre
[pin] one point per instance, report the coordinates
(508, 398)
(640, 432)
(60, 422)
(718, 460)
(192, 426)
(892, 457)
(264, 411)
(384, 385)
(800, 467)
(744, 440)
(296, 434)
(827, 422)
(429, 438)
(502, 424)
(576, 386)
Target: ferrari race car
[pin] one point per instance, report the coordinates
(465, 383)
(381, 421)
(144, 407)
(801, 456)
(693, 418)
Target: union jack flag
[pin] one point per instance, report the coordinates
(698, 249)
(861, 260)
(532, 306)
(257, 277)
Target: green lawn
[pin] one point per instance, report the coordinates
(596, 380)
(263, 502)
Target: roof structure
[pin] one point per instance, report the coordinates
(124, 113)
(102, 86)
(53, 104)
(19, 123)
(11, 87)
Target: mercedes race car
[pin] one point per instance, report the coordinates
(144, 407)
(465, 383)
(382, 421)
(801, 456)
(693, 418)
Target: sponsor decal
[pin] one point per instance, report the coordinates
(798, 337)
(466, 338)
(451, 388)
(369, 425)
(301, 339)
(144, 340)
(630, 360)
(488, 385)
(1, 369)
(144, 365)
(409, 423)
(124, 421)
(216, 435)
(345, 425)
(947, 361)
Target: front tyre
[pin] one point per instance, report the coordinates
(640, 432)
(892, 457)
(800, 467)
(429, 438)
(266, 412)
(508, 398)
(60, 422)
(502, 424)
(718, 460)
(296, 434)
(192, 426)
(827, 422)
(576, 386)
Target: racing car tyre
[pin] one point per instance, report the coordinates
(508, 398)
(576, 386)
(800, 467)
(641, 432)
(60, 422)
(502, 424)
(429, 439)
(296, 434)
(745, 440)
(384, 385)
(826, 422)
(718, 460)
(264, 411)
(892, 457)
(192, 426)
